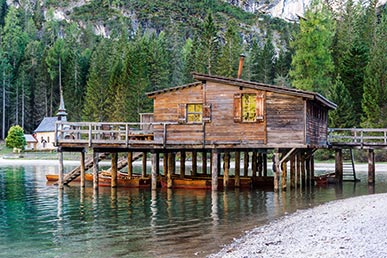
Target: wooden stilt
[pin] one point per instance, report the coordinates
(218, 164)
(157, 163)
(264, 157)
(284, 175)
(165, 163)
(204, 162)
(143, 170)
(298, 170)
(292, 172)
(113, 171)
(237, 168)
(371, 167)
(83, 168)
(130, 164)
(339, 166)
(194, 163)
(154, 161)
(170, 171)
(173, 164)
(95, 170)
(254, 164)
(182, 164)
(312, 170)
(303, 173)
(260, 164)
(61, 169)
(307, 170)
(226, 167)
(215, 170)
(276, 170)
(246, 163)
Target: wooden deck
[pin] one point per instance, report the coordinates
(358, 138)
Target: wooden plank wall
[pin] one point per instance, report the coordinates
(166, 109)
(317, 124)
(223, 128)
(285, 119)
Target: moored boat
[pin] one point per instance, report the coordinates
(203, 183)
(123, 180)
(325, 179)
(54, 178)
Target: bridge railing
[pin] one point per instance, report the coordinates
(357, 136)
(108, 132)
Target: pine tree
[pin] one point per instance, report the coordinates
(312, 63)
(99, 95)
(341, 117)
(230, 52)
(375, 83)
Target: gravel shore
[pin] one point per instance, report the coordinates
(355, 227)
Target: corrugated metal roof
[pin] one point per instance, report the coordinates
(47, 125)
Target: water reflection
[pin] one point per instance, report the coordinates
(114, 222)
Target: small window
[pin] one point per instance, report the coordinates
(194, 113)
(249, 107)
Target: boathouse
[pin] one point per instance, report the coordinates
(219, 112)
(215, 115)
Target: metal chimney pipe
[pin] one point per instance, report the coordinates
(240, 69)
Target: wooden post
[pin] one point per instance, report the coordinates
(226, 167)
(371, 167)
(143, 171)
(298, 170)
(254, 164)
(237, 168)
(95, 170)
(204, 162)
(260, 165)
(157, 163)
(307, 168)
(292, 172)
(154, 161)
(246, 163)
(215, 170)
(182, 164)
(173, 164)
(339, 166)
(284, 175)
(194, 163)
(130, 164)
(83, 168)
(165, 163)
(303, 175)
(61, 169)
(312, 169)
(276, 170)
(113, 181)
(264, 157)
(170, 171)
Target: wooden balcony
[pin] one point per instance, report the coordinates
(361, 138)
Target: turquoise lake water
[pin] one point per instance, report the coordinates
(38, 220)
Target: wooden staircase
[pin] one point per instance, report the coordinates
(349, 173)
(76, 172)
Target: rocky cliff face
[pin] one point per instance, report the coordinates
(286, 9)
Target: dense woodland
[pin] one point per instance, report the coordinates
(107, 53)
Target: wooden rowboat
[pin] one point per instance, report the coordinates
(54, 178)
(325, 179)
(123, 180)
(203, 183)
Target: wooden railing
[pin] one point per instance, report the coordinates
(108, 132)
(357, 136)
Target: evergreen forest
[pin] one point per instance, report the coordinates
(104, 55)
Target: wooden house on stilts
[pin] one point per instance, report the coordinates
(225, 115)
(223, 120)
